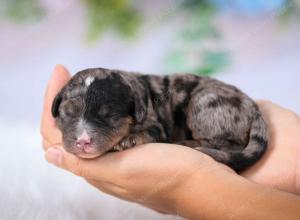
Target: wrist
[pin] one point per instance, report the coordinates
(201, 180)
(220, 194)
(204, 194)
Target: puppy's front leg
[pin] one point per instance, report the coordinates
(153, 133)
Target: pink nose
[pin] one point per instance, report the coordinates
(83, 143)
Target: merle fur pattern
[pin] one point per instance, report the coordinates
(120, 110)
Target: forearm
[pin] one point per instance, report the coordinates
(224, 195)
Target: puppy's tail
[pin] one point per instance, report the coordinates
(258, 142)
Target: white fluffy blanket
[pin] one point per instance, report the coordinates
(32, 189)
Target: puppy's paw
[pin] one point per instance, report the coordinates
(116, 148)
(128, 142)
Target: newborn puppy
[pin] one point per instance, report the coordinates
(103, 110)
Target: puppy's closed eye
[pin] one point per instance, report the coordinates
(70, 108)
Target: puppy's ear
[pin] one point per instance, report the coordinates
(140, 104)
(140, 109)
(138, 95)
(55, 105)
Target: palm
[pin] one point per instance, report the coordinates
(277, 168)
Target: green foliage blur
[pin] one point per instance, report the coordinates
(190, 53)
(118, 15)
(21, 11)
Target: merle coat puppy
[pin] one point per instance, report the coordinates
(103, 110)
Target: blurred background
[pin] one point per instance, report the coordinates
(253, 44)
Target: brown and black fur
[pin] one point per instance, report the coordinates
(121, 110)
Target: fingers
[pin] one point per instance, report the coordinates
(282, 124)
(105, 168)
(267, 106)
(58, 79)
(274, 113)
(46, 144)
(70, 162)
(270, 107)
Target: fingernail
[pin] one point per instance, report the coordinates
(54, 156)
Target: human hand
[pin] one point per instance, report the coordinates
(144, 174)
(280, 165)
(131, 174)
(51, 135)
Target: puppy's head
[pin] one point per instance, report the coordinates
(95, 111)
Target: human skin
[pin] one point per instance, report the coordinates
(187, 182)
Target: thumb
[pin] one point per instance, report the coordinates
(105, 168)
(60, 158)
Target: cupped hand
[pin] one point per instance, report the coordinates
(51, 135)
(280, 165)
(151, 174)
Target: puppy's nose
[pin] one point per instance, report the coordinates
(84, 141)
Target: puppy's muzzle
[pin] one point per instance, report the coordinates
(84, 143)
